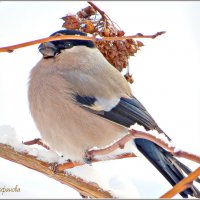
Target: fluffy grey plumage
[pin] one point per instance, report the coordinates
(78, 101)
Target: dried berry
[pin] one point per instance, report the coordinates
(120, 33)
(116, 52)
(71, 22)
(129, 78)
(88, 26)
(139, 44)
(106, 33)
(86, 12)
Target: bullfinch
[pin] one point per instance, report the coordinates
(78, 101)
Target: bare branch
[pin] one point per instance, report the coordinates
(37, 141)
(183, 184)
(11, 48)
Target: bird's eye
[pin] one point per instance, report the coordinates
(68, 45)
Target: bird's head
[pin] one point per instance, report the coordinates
(50, 49)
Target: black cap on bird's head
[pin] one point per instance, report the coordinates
(50, 49)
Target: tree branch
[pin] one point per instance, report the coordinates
(85, 188)
(70, 164)
(183, 184)
(11, 48)
(90, 154)
(56, 171)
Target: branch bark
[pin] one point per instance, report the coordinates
(85, 188)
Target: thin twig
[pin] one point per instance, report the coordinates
(68, 165)
(37, 141)
(183, 184)
(11, 48)
(101, 12)
(166, 145)
(139, 134)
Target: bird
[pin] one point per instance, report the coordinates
(78, 101)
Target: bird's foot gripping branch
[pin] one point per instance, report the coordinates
(22, 155)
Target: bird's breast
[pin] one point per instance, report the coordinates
(65, 126)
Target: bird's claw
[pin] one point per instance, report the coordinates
(54, 167)
(88, 158)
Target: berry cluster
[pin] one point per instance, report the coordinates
(117, 52)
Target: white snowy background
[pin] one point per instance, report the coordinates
(167, 81)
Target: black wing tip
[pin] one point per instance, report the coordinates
(161, 159)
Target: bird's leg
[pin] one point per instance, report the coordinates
(37, 141)
(56, 168)
(88, 159)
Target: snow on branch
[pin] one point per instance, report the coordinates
(159, 139)
(44, 161)
(49, 163)
(85, 188)
(54, 166)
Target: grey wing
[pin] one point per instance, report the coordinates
(127, 112)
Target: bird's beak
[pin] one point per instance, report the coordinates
(47, 49)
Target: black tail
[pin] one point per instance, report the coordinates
(130, 111)
(165, 164)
